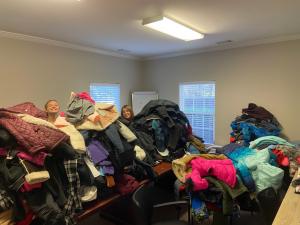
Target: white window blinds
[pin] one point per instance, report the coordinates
(197, 101)
(105, 92)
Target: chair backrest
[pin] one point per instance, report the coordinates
(269, 203)
(143, 205)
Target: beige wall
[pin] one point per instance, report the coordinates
(268, 75)
(36, 72)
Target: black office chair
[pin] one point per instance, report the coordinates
(149, 198)
(269, 204)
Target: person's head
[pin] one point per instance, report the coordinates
(126, 112)
(52, 107)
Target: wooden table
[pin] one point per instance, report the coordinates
(289, 211)
(161, 169)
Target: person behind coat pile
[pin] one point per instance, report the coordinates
(52, 109)
(126, 118)
(126, 114)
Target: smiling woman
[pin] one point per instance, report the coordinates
(52, 109)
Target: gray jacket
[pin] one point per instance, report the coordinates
(78, 109)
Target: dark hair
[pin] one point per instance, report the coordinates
(129, 109)
(51, 100)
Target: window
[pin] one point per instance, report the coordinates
(105, 92)
(197, 101)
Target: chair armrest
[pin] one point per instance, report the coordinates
(171, 203)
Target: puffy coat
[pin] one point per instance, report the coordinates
(221, 169)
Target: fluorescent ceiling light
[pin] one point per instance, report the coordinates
(170, 27)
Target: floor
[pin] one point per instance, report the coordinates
(245, 219)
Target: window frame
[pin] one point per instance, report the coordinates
(110, 85)
(181, 84)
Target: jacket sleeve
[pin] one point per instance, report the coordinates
(199, 183)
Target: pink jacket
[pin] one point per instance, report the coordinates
(222, 169)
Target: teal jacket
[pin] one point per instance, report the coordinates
(264, 174)
(269, 140)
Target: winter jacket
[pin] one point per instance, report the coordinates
(126, 132)
(258, 112)
(76, 138)
(97, 152)
(237, 157)
(28, 108)
(165, 109)
(228, 193)
(78, 108)
(254, 168)
(12, 173)
(181, 167)
(249, 130)
(221, 169)
(60, 123)
(264, 174)
(103, 116)
(33, 137)
(86, 96)
(38, 158)
(269, 140)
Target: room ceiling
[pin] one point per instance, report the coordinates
(115, 25)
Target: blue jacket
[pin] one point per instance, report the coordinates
(237, 157)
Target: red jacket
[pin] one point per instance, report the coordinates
(28, 108)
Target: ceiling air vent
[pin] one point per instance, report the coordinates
(123, 50)
(224, 42)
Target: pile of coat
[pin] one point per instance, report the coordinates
(168, 127)
(253, 163)
(254, 122)
(38, 164)
(55, 167)
(225, 179)
(111, 145)
(87, 152)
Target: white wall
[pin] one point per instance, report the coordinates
(268, 75)
(38, 72)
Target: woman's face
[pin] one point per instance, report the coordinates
(126, 113)
(52, 107)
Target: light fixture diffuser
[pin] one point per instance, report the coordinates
(173, 28)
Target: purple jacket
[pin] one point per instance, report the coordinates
(97, 152)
